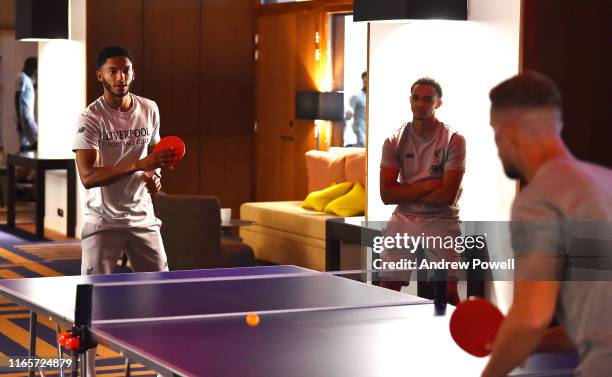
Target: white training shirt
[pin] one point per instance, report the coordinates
(25, 86)
(546, 219)
(119, 137)
(419, 159)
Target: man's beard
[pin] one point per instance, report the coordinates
(512, 172)
(109, 87)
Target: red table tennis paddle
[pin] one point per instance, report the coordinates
(474, 323)
(168, 142)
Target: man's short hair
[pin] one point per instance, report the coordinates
(364, 74)
(429, 82)
(30, 65)
(528, 89)
(111, 52)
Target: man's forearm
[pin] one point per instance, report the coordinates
(516, 340)
(106, 175)
(438, 197)
(397, 193)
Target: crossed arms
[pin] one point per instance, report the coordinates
(440, 192)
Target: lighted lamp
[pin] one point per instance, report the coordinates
(319, 106)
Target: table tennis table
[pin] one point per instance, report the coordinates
(192, 323)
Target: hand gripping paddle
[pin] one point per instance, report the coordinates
(171, 142)
(474, 324)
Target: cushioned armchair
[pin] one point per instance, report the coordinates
(191, 230)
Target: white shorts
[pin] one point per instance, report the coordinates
(419, 226)
(101, 247)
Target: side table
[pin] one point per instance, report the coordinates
(40, 166)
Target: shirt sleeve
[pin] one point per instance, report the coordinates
(456, 153)
(20, 84)
(353, 101)
(537, 229)
(390, 157)
(536, 225)
(155, 135)
(88, 134)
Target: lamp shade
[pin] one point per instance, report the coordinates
(319, 105)
(41, 19)
(372, 10)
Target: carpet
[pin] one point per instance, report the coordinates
(21, 256)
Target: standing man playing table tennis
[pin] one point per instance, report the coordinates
(113, 138)
(112, 141)
(428, 157)
(564, 198)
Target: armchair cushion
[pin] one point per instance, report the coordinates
(336, 165)
(355, 167)
(323, 169)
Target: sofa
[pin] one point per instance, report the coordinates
(286, 233)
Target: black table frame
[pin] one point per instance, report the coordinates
(41, 165)
(337, 230)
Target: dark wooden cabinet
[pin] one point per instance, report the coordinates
(569, 41)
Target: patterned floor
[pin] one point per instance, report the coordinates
(22, 257)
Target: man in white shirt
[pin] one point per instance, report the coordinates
(25, 99)
(421, 170)
(113, 145)
(113, 138)
(358, 104)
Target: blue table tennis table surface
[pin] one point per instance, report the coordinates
(192, 323)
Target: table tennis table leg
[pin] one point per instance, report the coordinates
(127, 367)
(60, 369)
(423, 289)
(83, 366)
(440, 291)
(75, 366)
(32, 350)
(10, 200)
